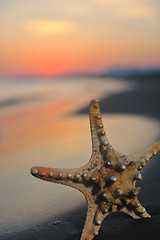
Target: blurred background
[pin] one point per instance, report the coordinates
(55, 56)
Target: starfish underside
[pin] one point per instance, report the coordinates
(107, 180)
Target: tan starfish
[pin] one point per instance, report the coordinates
(107, 180)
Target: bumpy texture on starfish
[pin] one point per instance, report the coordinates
(107, 180)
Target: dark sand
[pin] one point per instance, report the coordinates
(143, 101)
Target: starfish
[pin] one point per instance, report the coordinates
(107, 180)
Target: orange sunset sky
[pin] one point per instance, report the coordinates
(55, 37)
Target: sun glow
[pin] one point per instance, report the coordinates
(49, 27)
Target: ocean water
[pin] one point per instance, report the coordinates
(14, 92)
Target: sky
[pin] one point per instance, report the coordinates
(56, 37)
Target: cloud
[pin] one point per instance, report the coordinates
(129, 9)
(43, 27)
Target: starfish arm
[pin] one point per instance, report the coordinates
(97, 130)
(135, 209)
(143, 156)
(90, 228)
(141, 211)
(100, 141)
(69, 177)
(95, 216)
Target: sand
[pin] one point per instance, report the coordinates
(33, 209)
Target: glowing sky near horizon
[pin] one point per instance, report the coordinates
(54, 37)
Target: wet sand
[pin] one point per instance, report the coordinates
(49, 211)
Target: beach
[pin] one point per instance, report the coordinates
(53, 131)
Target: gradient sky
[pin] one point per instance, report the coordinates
(67, 36)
